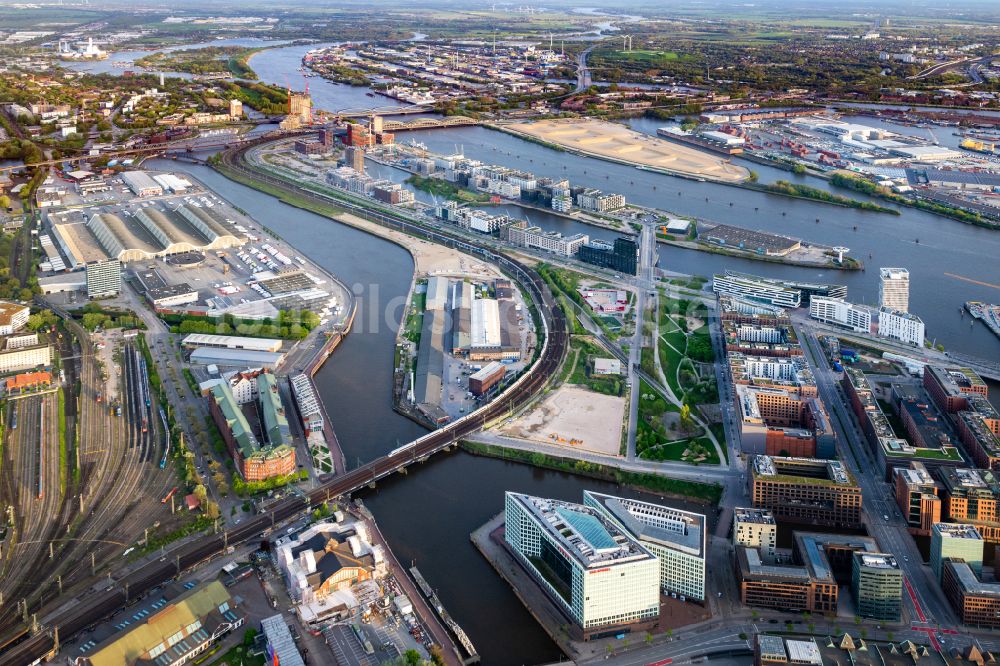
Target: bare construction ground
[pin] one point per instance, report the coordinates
(575, 418)
(619, 143)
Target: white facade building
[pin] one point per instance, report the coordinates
(894, 289)
(12, 317)
(755, 528)
(762, 291)
(902, 326)
(837, 311)
(601, 577)
(675, 537)
(550, 241)
(597, 201)
(25, 358)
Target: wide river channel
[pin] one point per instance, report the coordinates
(427, 515)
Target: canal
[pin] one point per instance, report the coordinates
(427, 514)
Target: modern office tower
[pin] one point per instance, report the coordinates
(917, 496)
(104, 278)
(877, 584)
(675, 536)
(605, 581)
(621, 256)
(806, 490)
(956, 540)
(894, 289)
(755, 528)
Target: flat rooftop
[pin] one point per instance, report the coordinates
(757, 516)
(666, 526)
(584, 533)
(803, 470)
(877, 560)
(957, 531)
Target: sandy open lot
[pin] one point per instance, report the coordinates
(593, 420)
(617, 142)
(428, 258)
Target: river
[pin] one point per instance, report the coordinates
(107, 66)
(428, 514)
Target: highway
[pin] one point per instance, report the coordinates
(89, 608)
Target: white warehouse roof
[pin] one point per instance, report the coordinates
(485, 323)
(232, 342)
(242, 358)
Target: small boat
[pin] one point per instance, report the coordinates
(370, 94)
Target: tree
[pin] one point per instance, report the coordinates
(411, 657)
(211, 510)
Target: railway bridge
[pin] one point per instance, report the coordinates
(20, 645)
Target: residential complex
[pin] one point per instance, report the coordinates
(805, 491)
(770, 291)
(104, 278)
(890, 449)
(858, 318)
(676, 537)
(605, 581)
(13, 317)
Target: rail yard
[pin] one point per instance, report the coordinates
(70, 524)
(123, 487)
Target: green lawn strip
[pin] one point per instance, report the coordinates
(706, 492)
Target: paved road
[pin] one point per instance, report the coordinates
(891, 534)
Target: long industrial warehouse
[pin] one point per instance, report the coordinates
(154, 231)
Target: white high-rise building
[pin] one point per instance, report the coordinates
(894, 289)
(858, 318)
(596, 572)
(675, 536)
(902, 326)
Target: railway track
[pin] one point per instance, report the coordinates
(88, 609)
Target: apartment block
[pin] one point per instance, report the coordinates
(806, 490)
(894, 288)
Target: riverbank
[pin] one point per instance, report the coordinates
(799, 191)
(708, 493)
(611, 142)
(849, 264)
